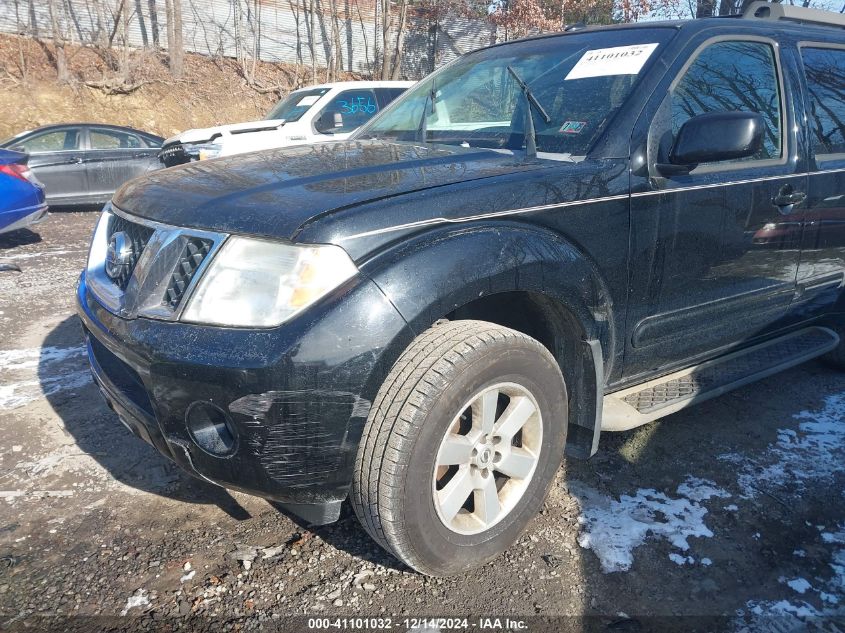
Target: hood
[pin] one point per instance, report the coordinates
(274, 192)
(205, 134)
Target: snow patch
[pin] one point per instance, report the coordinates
(12, 359)
(697, 489)
(137, 600)
(812, 453)
(18, 394)
(32, 373)
(783, 608)
(681, 560)
(613, 529)
(799, 585)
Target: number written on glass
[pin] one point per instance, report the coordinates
(363, 105)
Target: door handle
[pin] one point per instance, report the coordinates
(787, 198)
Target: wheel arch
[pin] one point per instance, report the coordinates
(520, 276)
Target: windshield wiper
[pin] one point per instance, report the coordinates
(422, 128)
(530, 133)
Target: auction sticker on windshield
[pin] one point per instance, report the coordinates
(307, 101)
(619, 60)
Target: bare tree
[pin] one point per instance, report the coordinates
(392, 39)
(58, 42)
(311, 37)
(396, 66)
(175, 48)
(386, 27)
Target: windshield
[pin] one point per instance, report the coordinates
(580, 80)
(292, 107)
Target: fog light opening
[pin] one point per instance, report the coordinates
(211, 429)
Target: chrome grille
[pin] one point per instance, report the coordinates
(137, 236)
(196, 250)
(174, 154)
(162, 265)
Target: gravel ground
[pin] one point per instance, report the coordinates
(730, 513)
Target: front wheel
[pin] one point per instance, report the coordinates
(460, 447)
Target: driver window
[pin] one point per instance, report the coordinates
(347, 111)
(727, 77)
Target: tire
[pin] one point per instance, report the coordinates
(399, 472)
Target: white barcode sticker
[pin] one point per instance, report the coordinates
(307, 101)
(620, 60)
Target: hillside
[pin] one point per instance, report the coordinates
(213, 91)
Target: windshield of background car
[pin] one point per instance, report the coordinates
(292, 107)
(580, 79)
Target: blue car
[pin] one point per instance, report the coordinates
(21, 195)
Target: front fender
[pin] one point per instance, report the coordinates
(436, 272)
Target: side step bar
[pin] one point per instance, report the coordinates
(641, 404)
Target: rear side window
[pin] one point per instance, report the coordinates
(728, 77)
(395, 92)
(150, 141)
(386, 95)
(113, 139)
(56, 141)
(825, 71)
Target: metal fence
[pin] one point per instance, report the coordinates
(347, 31)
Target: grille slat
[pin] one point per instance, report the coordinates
(195, 251)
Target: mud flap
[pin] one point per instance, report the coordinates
(585, 414)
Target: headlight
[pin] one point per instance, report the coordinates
(261, 283)
(205, 151)
(770, 226)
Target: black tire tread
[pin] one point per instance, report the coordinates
(414, 381)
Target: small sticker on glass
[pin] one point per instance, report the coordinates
(619, 60)
(572, 127)
(307, 101)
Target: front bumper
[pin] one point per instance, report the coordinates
(297, 396)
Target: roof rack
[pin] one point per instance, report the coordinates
(774, 11)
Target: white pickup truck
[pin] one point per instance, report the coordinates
(327, 112)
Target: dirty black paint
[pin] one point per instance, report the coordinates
(653, 270)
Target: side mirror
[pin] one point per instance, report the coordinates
(18, 148)
(713, 137)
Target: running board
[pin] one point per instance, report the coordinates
(641, 404)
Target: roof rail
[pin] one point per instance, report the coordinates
(776, 11)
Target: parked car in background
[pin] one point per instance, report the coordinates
(85, 163)
(328, 112)
(21, 195)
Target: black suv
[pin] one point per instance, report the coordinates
(542, 240)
